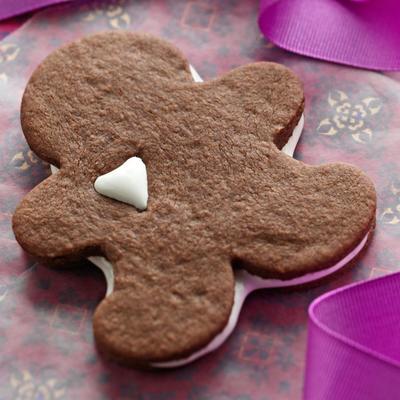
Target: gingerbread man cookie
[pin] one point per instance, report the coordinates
(175, 183)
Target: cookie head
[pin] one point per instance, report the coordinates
(219, 190)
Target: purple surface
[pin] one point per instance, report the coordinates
(363, 34)
(354, 343)
(11, 8)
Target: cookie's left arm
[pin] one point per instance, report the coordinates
(267, 98)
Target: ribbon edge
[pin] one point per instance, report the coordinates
(319, 57)
(342, 338)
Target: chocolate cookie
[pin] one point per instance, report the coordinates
(214, 189)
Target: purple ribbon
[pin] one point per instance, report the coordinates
(12, 8)
(354, 343)
(363, 34)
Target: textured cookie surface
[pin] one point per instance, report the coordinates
(220, 191)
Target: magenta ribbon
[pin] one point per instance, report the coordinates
(363, 34)
(354, 343)
(12, 8)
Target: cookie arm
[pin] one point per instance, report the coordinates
(313, 219)
(52, 222)
(266, 98)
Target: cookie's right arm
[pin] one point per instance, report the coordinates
(53, 222)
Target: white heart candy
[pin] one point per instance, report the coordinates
(127, 183)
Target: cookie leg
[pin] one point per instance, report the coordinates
(169, 314)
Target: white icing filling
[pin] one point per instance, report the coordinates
(195, 75)
(291, 144)
(126, 183)
(245, 283)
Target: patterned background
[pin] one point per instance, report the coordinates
(46, 341)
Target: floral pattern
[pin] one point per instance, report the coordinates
(24, 160)
(8, 52)
(350, 117)
(391, 214)
(114, 12)
(26, 387)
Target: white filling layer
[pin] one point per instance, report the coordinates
(245, 283)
